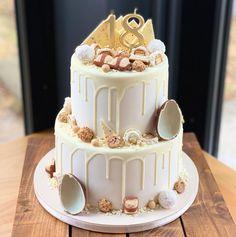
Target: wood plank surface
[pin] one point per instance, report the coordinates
(12, 157)
(174, 229)
(76, 232)
(226, 180)
(31, 219)
(208, 216)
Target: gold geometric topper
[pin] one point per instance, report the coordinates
(124, 32)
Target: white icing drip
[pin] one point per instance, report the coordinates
(71, 76)
(107, 168)
(144, 97)
(109, 105)
(95, 95)
(61, 156)
(157, 93)
(56, 153)
(123, 181)
(164, 87)
(117, 117)
(156, 169)
(163, 161)
(143, 174)
(142, 169)
(178, 161)
(85, 89)
(79, 76)
(72, 160)
(169, 173)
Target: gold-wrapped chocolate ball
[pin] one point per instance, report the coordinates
(85, 134)
(105, 205)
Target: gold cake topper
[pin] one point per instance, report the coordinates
(125, 32)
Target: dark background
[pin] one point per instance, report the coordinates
(195, 33)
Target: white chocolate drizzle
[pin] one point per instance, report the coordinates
(100, 82)
(61, 157)
(163, 151)
(79, 76)
(156, 169)
(144, 97)
(85, 89)
(56, 158)
(169, 173)
(157, 93)
(109, 105)
(163, 161)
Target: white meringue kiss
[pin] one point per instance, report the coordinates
(156, 45)
(85, 53)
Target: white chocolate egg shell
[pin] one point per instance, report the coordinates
(71, 194)
(169, 122)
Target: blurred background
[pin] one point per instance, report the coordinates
(37, 39)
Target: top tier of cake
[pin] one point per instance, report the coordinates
(122, 100)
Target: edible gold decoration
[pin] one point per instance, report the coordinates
(134, 31)
(121, 32)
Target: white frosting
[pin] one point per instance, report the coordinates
(85, 53)
(116, 173)
(122, 99)
(156, 45)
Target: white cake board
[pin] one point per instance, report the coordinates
(49, 199)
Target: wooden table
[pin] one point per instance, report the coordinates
(208, 216)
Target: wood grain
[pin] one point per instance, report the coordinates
(208, 216)
(76, 232)
(172, 229)
(31, 219)
(11, 164)
(226, 179)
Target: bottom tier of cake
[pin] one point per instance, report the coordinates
(117, 173)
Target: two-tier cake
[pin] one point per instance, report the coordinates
(118, 134)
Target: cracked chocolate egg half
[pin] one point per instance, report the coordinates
(71, 194)
(169, 120)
